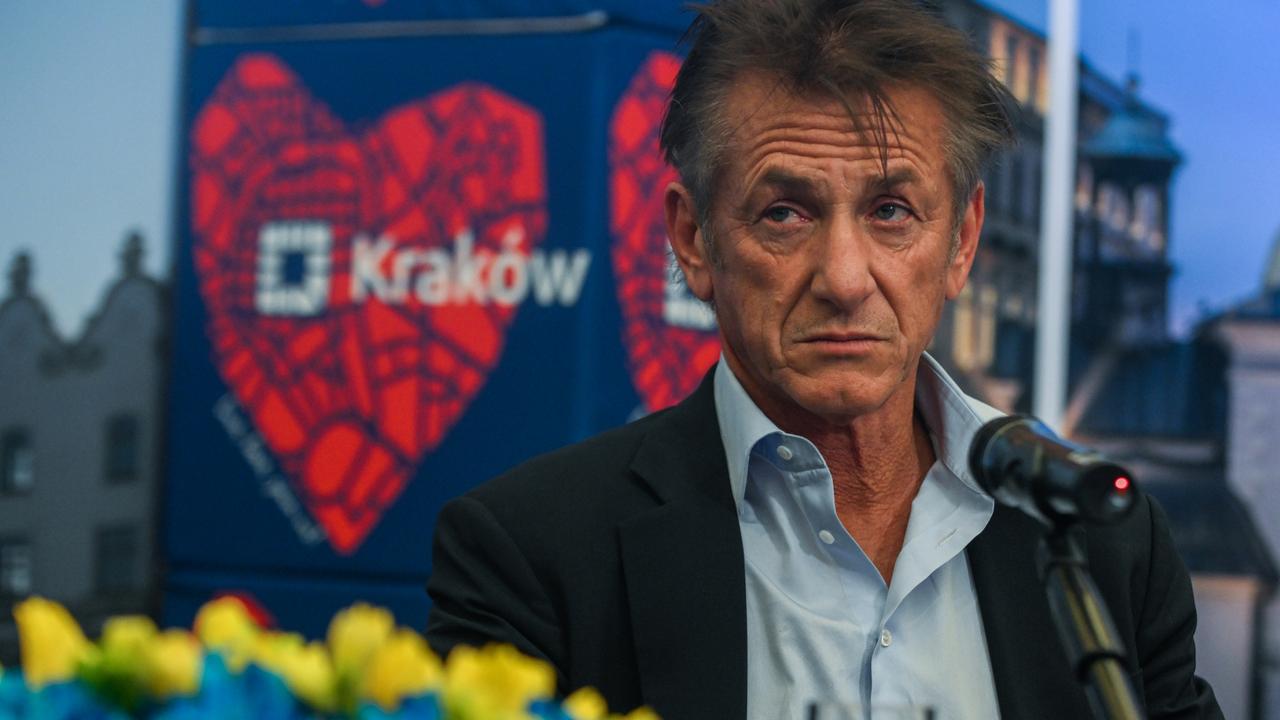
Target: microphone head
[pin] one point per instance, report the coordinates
(1020, 462)
(1105, 493)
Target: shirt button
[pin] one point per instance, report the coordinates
(826, 536)
(886, 638)
(785, 453)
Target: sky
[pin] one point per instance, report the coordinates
(87, 132)
(88, 121)
(1211, 67)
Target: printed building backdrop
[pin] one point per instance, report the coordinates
(413, 253)
(418, 243)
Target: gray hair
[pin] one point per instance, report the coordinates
(852, 51)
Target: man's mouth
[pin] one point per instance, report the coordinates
(848, 345)
(842, 337)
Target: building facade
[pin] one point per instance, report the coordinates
(1125, 163)
(79, 431)
(1194, 420)
(1249, 336)
(80, 419)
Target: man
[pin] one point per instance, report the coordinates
(804, 527)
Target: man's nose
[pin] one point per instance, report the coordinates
(842, 272)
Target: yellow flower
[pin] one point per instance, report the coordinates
(586, 704)
(272, 650)
(642, 713)
(127, 636)
(403, 667)
(355, 634)
(118, 669)
(225, 626)
(173, 661)
(52, 643)
(494, 683)
(309, 674)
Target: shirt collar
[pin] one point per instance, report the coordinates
(952, 417)
(742, 425)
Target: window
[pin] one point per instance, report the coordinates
(1033, 76)
(1017, 209)
(1037, 189)
(15, 568)
(985, 335)
(1084, 188)
(122, 448)
(1117, 216)
(1010, 60)
(963, 350)
(1146, 224)
(995, 201)
(17, 463)
(116, 560)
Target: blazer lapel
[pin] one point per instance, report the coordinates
(1032, 677)
(684, 573)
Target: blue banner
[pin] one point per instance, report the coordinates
(407, 263)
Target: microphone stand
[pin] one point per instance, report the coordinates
(1088, 633)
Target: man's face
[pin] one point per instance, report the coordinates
(829, 275)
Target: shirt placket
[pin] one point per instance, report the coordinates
(811, 485)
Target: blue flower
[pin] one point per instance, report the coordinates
(254, 693)
(426, 707)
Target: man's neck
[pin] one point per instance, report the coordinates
(877, 464)
(876, 480)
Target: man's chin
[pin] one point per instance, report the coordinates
(841, 400)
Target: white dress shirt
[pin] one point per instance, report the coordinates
(821, 622)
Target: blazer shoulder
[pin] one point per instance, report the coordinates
(585, 472)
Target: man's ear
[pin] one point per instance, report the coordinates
(687, 241)
(966, 242)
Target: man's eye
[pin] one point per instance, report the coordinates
(781, 214)
(892, 212)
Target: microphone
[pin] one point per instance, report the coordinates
(1020, 462)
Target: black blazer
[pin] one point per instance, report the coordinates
(619, 560)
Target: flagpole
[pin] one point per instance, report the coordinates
(1053, 305)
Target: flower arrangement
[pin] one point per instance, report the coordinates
(229, 667)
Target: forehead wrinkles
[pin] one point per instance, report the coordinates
(810, 136)
(776, 122)
(827, 148)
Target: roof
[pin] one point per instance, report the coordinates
(1171, 390)
(1271, 277)
(1263, 306)
(1212, 529)
(1133, 132)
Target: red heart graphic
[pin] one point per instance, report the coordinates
(670, 336)
(351, 380)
